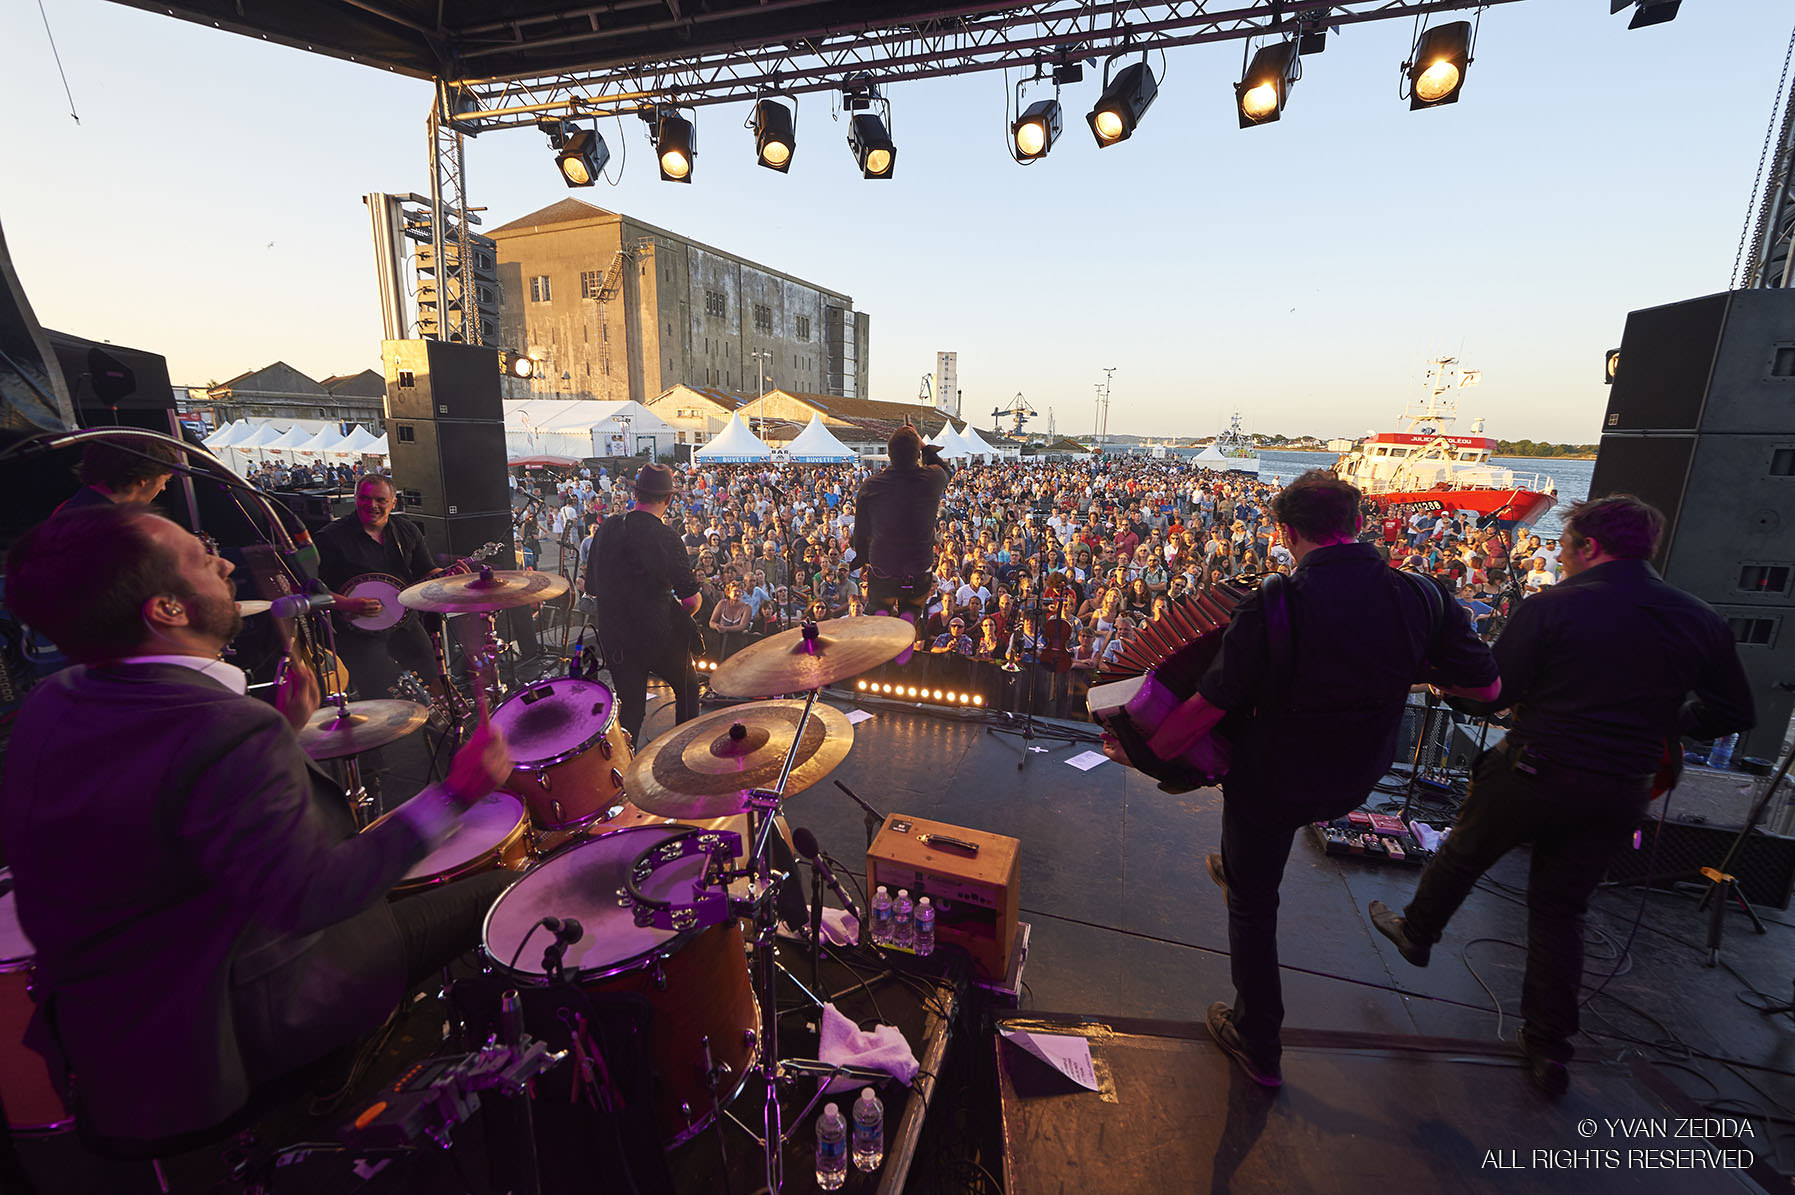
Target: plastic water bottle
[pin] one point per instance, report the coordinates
(1721, 756)
(869, 1131)
(925, 928)
(831, 1149)
(881, 927)
(903, 924)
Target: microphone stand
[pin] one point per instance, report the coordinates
(1029, 732)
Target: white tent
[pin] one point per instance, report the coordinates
(734, 445)
(359, 440)
(976, 444)
(953, 445)
(584, 427)
(288, 440)
(257, 439)
(936, 438)
(225, 436)
(320, 444)
(816, 444)
(377, 448)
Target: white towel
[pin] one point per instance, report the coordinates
(844, 1044)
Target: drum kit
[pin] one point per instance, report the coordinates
(662, 856)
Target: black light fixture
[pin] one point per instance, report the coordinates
(1033, 133)
(1260, 95)
(675, 145)
(514, 364)
(1610, 367)
(1436, 70)
(1647, 12)
(871, 144)
(775, 135)
(582, 158)
(1124, 101)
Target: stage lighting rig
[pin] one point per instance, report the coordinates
(1648, 12)
(871, 144)
(1265, 85)
(582, 158)
(775, 134)
(1033, 133)
(675, 143)
(513, 364)
(1436, 69)
(1124, 101)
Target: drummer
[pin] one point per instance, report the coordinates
(205, 916)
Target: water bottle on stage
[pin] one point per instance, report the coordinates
(881, 916)
(925, 928)
(831, 1149)
(869, 1131)
(903, 923)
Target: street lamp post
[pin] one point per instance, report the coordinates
(761, 357)
(1103, 416)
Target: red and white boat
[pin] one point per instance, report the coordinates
(1424, 468)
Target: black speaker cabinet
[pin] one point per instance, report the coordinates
(438, 379)
(1764, 866)
(105, 379)
(450, 467)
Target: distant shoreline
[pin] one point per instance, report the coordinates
(1512, 456)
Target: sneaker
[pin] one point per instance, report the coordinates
(1551, 1076)
(1217, 874)
(1396, 928)
(1221, 1027)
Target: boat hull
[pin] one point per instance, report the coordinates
(1509, 507)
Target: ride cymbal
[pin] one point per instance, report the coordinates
(484, 590)
(703, 768)
(790, 663)
(364, 725)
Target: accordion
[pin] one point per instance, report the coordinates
(1157, 671)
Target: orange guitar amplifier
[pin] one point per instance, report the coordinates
(973, 879)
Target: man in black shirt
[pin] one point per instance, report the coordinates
(121, 473)
(375, 540)
(1604, 670)
(646, 593)
(895, 515)
(1310, 745)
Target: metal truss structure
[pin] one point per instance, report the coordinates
(1044, 36)
(1772, 258)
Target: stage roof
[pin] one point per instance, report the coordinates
(474, 39)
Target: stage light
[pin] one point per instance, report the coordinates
(978, 699)
(861, 685)
(582, 158)
(775, 135)
(937, 694)
(1124, 101)
(1610, 367)
(1260, 95)
(888, 688)
(675, 145)
(514, 364)
(1650, 12)
(1035, 131)
(1436, 69)
(872, 146)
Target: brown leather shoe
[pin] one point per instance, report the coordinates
(1394, 927)
(1221, 1027)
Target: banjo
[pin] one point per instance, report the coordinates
(385, 588)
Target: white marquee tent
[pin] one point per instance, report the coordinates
(580, 428)
(735, 445)
(359, 441)
(976, 444)
(816, 444)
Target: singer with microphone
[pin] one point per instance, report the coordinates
(226, 926)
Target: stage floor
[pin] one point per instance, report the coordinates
(1126, 924)
(1396, 1078)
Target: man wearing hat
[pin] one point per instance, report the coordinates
(645, 591)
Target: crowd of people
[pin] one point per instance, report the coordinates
(300, 475)
(1109, 544)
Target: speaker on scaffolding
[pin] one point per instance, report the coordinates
(1701, 423)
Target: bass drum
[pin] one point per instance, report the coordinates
(568, 751)
(696, 981)
(26, 1092)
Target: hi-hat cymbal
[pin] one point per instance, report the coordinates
(704, 768)
(483, 591)
(788, 663)
(365, 725)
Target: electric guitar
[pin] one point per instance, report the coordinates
(385, 588)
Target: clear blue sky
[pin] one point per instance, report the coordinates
(207, 207)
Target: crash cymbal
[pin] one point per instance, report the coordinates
(365, 725)
(703, 768)
(788, 663)
(484, 590)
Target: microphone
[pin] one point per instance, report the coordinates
(300, 603)
(804, 842)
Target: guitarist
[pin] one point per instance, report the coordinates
(374, 540)
(645, 591)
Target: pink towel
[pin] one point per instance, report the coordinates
(844, 1044)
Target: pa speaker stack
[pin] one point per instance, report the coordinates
(445, 434)
(1701, 423)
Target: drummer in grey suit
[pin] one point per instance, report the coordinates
(206, 919)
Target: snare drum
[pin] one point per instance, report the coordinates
(26, 1092)
(696, 981)
(568, 751)
(493, 833)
